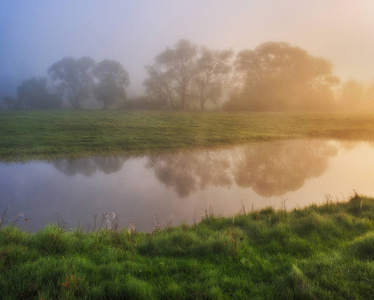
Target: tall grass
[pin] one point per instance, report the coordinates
(318, 252)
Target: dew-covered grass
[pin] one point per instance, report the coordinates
(319, 252)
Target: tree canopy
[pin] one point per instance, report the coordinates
(9, 102)
(112, 80)
(185, 73)
(170, 76)
(213, 68)
(351, 95)
(34, 94)
(277, 76)
(74, 79)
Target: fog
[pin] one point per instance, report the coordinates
(36, 34)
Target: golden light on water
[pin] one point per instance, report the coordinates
(290, 174)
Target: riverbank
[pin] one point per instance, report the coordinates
(319, 252)
(29, 135)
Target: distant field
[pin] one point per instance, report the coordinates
(65, 133)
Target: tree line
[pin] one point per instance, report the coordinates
(75, 80)
(275, 76)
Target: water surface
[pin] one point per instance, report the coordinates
(280, 174)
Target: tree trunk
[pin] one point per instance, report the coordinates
(202, 107)
(75, 103)
(183, 101)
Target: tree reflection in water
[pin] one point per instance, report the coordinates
(188, 171)
(88, 166)
(270, 169)
(138, 190)
(273, 169)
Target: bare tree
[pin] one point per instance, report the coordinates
(158, 87)
(213, 68)
(171, 75)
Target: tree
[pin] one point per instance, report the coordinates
(315, 92)
(112, 80)
(9, 102)
(158, 87)
(278, 76)
(34, 94)
(351, 95)
(213, 68)
(74, 78)
(171, 75)
(369, 96)
(141, 103)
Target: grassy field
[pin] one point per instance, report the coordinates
(51, 134)
(320, 252)
(324, 252)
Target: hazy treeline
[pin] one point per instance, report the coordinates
(186, 74)
(274, 76)
(73, 81)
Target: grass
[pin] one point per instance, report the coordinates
(319, 252)
(29, 135)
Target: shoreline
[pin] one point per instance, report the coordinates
(46, 135)
(307, 253)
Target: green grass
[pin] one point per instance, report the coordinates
(26, 135)
(320, 252)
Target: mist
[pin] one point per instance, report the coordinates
(35, 35)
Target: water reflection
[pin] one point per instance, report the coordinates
(186, 182)
(189, 171)
(270, 169)
(273, 169)
(89, 166)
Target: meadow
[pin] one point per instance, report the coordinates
(319, 252)
(29, 135)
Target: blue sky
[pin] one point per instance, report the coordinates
(35, 34)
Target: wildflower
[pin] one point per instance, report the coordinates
(132, 228)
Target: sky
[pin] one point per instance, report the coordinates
(36, 34)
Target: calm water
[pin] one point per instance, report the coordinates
(277, 174)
